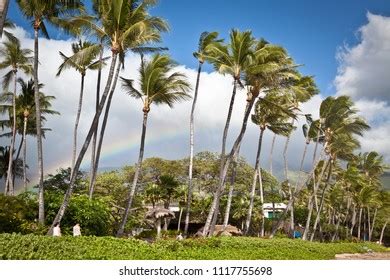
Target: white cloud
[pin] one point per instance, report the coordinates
(364, 75)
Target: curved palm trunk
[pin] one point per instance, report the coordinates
(359, 222)
(383, 232)
(24, 153)
(41, 204)
(322, 201)
(230, 194)
(353, 219)
(87, 141)
(94, 154)
(136, 175)
(211, 220)
(312, 199)
(371, 230)
(3, 14)
(9, 183)
(76, 124)
(290, 189)
(209, 227)
(102, 132)
(255, 175)
(271, 154)
(190, 187)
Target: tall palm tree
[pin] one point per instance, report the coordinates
(14, 58)
(158, 84)
(82, 60)
(340, 126)
(40, 12)
(206, 41)
(4, 159)
(269, 68)
(124, 25)
(25, 109)
(268, 115)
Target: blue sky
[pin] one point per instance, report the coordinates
(314, 35)
(311, 31)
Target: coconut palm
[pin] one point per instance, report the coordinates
(232, 59)
(158, 84)
(82, 60)
(4, 159)
(14, 58)
(268, 115)
(207, 40)
(124, 25)
(340, 125)
(25, 109)
(40, 12)
(270, 68)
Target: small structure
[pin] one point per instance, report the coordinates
(271, 211)
(220, 231)
(157, 214)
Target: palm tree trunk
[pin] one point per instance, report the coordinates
(223, 152)
(136, 175)
(372, 225)
(209, 227)
(41, 204)
(353, 220)
(360, 222)
(76, 124)
(230, 194)
(190, 187)
(254, 181)
(271, 154)
(87, 141)
(9, 186)
(280, 220)
(261, 201)
(383, 232)
(313, 200)
(3, 14)
(102, 132)
(94, 140)
(290, 190)
(179, 222)
(322, 200)
(24, 153)
(337, 228)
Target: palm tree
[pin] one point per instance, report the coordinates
(206, 41)
(4, 159)
(83, 59)
(158, 85)
(14, 58)
(340, 125)
(39, 12)
(25, 109)
(270, 68)
(268, 115)
(124, 25)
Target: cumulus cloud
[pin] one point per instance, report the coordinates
(364, 75)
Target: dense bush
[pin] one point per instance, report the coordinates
(16, 246)
(92, 215)
(17, 213)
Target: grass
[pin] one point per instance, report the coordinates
(32, 247)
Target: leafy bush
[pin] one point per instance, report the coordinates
(16, 246)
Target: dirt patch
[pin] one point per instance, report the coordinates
(367, 256)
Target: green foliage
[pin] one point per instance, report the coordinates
(92, 215)
(15, 246)
(17, 213)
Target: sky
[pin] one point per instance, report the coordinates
(344, 44)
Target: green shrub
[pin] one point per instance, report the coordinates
(16, 246)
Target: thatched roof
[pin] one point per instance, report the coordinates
(157, 213)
